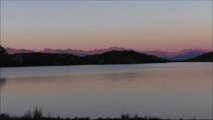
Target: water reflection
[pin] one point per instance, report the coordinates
(2, 82)
(121, 76)
(165, 90)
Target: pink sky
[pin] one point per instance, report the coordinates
(140, 25)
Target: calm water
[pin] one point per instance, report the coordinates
(169, 90)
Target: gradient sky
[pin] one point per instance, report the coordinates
(142, 25)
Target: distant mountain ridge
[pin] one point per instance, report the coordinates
(15, 51)
(49, 59)
(82, 52)
(180, 55)
(206, 57)
(111, 57)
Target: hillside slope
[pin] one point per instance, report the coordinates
(122, 57)
(47, 59)
(206, 57)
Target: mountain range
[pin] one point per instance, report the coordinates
(110, 57)
(179, 55)
(206, 57)
(53, 59)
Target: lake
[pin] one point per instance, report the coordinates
(166, 90)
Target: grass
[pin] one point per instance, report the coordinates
(37, 114)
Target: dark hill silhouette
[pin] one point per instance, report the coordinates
(178, 55)
(2, 51)
(122, 57)
(4, 57)
(110, 57)
(206, 57)
(44, 59)
(37, 59)
(47, 59)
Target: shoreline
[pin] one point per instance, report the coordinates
(101, 64)
(37, 115)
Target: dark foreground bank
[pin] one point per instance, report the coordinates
(37, 114)
(122, 117)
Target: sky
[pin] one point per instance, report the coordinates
(86, 25)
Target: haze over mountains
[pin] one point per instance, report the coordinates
(206, 57)
(179, 55)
